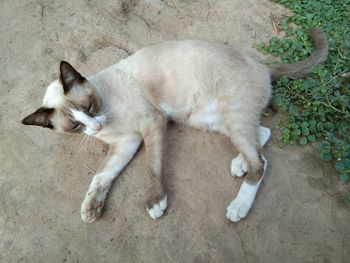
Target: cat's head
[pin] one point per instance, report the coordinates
(71, 104)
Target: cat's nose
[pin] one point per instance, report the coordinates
(97, 126)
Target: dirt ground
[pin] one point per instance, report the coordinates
(298, 215)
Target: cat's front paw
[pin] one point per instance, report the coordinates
(92, 206)
(157, 209)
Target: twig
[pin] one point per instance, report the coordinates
(90, 169)
(335, 109)
(341, 55)
(275, 27)
(244, 252)
(42, 10)
(327, 82)
(170, 164)
(304, 41)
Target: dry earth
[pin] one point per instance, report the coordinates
(297, 217)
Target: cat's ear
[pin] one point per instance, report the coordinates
(41, 117)
(69, 76)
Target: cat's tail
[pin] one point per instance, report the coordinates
(303, 68)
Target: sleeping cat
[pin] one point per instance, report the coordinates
(206, 86)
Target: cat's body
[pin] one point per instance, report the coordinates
(206, 86)
(181, 87)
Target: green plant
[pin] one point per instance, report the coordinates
(318, 106)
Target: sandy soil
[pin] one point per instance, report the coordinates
(297, 217)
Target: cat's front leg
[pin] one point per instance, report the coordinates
(120, 153)
(153, 136)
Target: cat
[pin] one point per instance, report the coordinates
(207, 86)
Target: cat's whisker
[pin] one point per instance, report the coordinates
(88, 140)
(81, 143)
(92, 142)
(109, 110)
(96, 143)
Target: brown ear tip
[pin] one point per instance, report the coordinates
(64, 64)
(25, 120)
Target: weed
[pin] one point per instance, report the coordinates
(318, 106)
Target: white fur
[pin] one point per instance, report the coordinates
(54, 96)
(239, 166)
(264, 135)
(206, 115)
(92, 206)
(92, 125)
(167, 109)
(158, 209)
(240, 206)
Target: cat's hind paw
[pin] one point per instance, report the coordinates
(238, 209)
(240, 206)
(157, 210)
(92, 206)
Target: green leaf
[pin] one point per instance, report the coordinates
(305, 125)
(311, 138)
(303, 141)
(312, 126)
(329, 126)
(320, 126)
(344, 177)
(305, 131)
(296, 133)
(293, 110)
(321, 145)
(339, 166)
(294, 126)
(327, 156)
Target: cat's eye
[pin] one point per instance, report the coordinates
(76, 127)
(90, 106)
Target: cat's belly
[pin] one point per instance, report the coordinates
(203, 113)
(176, 106)
(174, 112)
(206, 115)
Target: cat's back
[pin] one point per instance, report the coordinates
(193, 56)
(176, 53)
(193, 63)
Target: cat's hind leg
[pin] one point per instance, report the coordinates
(239, 166)
(120, 153)
(242, 125)
(240, 206)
